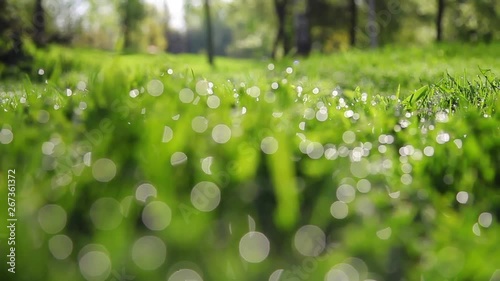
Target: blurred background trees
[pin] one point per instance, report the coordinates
(132, 13)
(244, 28)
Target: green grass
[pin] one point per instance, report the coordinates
(391, 154)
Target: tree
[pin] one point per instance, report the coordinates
(153, 30)
(132, 12)
(62, 24)
(11, 31)
(372, 23)
(280, 7)
(252, 26)
(354, 22)
(439, 20)
(210, 43)
(39, 24)
(303, 29)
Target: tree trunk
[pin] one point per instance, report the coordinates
(372, 23)
(127, 43)
(280, 8)
(439, 20)
(354, 22)
(210, 41)
(10, 33)
(303, 30)
(39, 24)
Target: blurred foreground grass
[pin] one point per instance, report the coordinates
(375, 165)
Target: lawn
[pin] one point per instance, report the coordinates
(363, 165)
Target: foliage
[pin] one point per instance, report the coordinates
(253, 25)
(343, 167)
(248, 28)
(132, 12)
(152, 32)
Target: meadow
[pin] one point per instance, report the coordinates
(362, 165)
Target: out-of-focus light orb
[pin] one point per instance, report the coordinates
(336, 274)
(315, 150)
(339, 210)
(364, 186)
(104, 170)
(360, 168)
(186, 95)
(254, 247)
(348, 137)
(178, 158)
(269, 145)
(168, 134)
(60, 246)
(213, 102)
(156, 215)
(310, 240)
(144, 191)
(346, 193)
(52, 218)
(205, 196)
(149, 252)
(276, 275)
(202, 88)
(385, 233)
(199, 124)
(134, 93)
(6, 136)
(476, 229)
(95, 266)
(185, 275)
(155, 87)
(462, 197)
(450, 261)
(106, 214)
(221, 133)
(485, 219)
(429, 151)
(253, 91)
(343, 272)
(495, 276)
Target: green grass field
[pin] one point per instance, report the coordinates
(364, 165)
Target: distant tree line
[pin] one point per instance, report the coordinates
(250, 28)
(300, 26)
